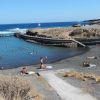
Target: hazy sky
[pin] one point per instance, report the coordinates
(24, 11)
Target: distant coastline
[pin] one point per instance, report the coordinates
(92, 21)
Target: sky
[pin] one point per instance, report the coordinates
(37, 11)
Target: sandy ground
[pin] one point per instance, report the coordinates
(73, 63)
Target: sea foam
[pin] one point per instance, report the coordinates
(11, 32)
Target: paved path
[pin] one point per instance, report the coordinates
(64, 89)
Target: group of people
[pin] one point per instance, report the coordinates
(43, 62)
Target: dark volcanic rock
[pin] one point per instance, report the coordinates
(94, 21)
(31, 33)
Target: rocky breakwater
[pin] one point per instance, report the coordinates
(49, 36)
(92, 22)
(87, 36)
(54, 33)
(85, 33)
(69, 37)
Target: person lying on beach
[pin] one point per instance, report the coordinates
(86, 64)
(24, 70)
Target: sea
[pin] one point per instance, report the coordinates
(15, 52)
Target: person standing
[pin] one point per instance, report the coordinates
(45, 59)
(42, 61)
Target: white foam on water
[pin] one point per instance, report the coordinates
(11, 32)
(18, 30)
(6, 33)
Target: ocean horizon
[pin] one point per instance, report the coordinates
(35, 25)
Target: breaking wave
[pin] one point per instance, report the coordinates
(6, 33)
(10, 32)
(18, 30)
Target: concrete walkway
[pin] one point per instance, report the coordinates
(64, 89)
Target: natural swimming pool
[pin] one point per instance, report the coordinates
(16, 52)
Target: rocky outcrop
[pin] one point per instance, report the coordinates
(56, 33)
(94, 21)
(63, 36)
(34, 33)
(85, 33)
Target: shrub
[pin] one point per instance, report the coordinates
(14, 88)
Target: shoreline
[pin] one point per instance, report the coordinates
(62, 61)
(52, 62)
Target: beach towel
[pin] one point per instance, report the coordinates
(31, 72)
(92, 65)
(49, 67)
